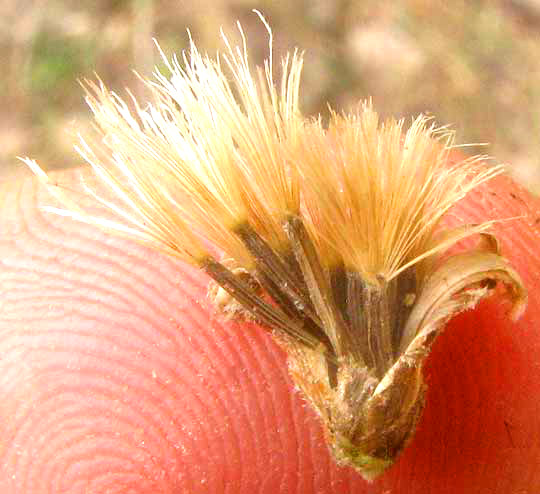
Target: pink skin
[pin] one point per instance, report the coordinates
(116, 376)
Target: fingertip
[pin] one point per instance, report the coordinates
(128, 377)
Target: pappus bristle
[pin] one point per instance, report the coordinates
(379, 206)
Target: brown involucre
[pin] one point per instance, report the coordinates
(331, 235)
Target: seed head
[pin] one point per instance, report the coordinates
(331, 234)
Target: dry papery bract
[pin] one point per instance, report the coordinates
(331, 234)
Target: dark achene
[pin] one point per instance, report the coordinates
(349, 356)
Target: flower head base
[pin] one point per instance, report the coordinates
(332, 234)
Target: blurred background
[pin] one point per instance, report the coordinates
(472, 64)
